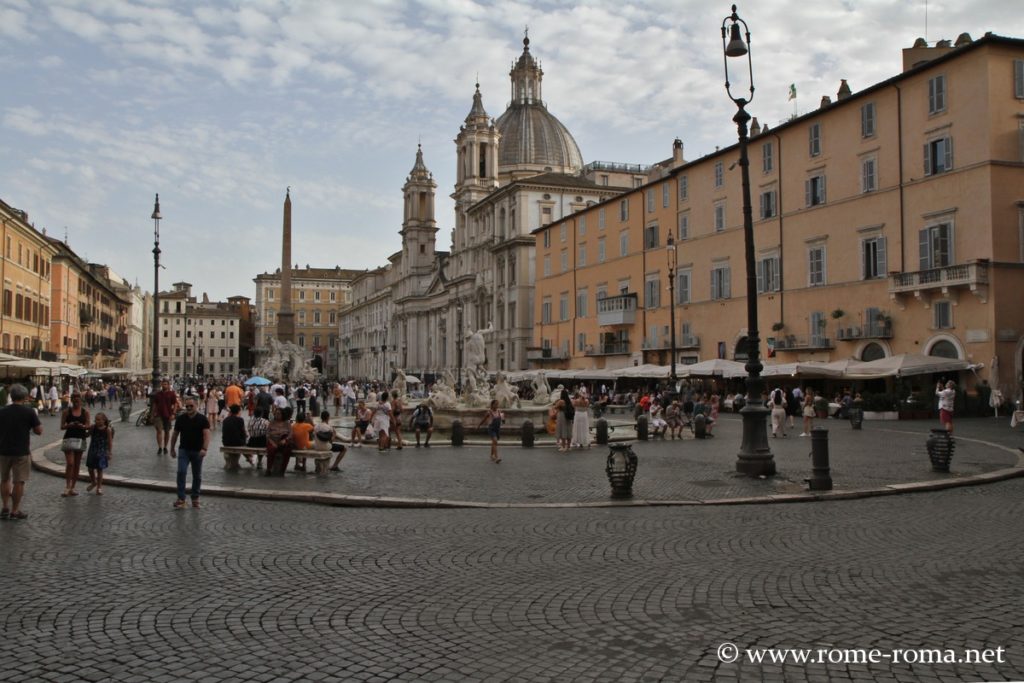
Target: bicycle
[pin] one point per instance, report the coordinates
(144, 419)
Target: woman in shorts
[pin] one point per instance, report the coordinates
(493, 418)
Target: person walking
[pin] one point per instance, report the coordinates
(492, 418)
(194, 429)
(163, 406)
(564, 413)
(947, 399)
(101, 450)
(777, 403)
(808, 412)
(17, 423)
(75, 423)
(212, 406)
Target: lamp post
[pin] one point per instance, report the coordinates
(384, 357)
(670, 248)
(458, 343)
(755, 457)
(156, 293)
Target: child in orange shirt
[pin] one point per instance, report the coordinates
(302, 431)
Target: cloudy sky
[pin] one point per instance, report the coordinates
(219, 106)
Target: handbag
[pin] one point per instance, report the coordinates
(73, 444)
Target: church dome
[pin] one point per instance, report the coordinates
(531, 136)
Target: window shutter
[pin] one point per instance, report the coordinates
(726, 284)
(822, 188)
(760, 276)
(807, 192)
(865, 259)
(931, 95)
(880, 257)
(924, 249)
(948, 161)
(927, 158)
(1018, 78)
(763, 214)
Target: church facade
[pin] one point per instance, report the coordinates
(515, 174)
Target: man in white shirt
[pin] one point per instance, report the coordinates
(947, 397)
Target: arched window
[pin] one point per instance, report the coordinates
(742, 351)
(944, 349)
(872, 352)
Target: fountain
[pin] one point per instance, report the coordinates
(286, 362)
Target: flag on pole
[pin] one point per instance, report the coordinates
(792, 91)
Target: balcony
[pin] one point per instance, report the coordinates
(946, 281)
(876, 330)
(542, 354)
(795, 343)
(683, 341)
(617, 310)
(609, 348)
(688, 341)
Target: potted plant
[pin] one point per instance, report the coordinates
(778, 326)
(821, 406)
(838, 313)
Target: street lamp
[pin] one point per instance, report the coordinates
(670, 248)
(384, 357)
(755, 457)
(156, 293)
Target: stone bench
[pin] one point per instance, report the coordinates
(322, 459)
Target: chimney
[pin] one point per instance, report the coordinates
(825, 101)
(677, 150)
(844, 90)
(920, 53)
(755, 127)
(963, 39)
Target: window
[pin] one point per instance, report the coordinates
(650, 200)
(720, 282)
(936, 94)
(665, 192)
(1018, 78)
(316, 295)
(333, 299)
(547, 265)
(651, 236)
(563, 306)
(600, 218)
(938, 156)
(623, 243)
(868, 179)
(768, 275)
(581, 256)
(316, 317)
(943, 315)
(581, 302)
(872, 251)
(624, 209)
(333, 319)
(683, 228)
(561, 232)
(867, 120)
(600, 251)
(936, 246)
(818, 328)
(683, 278)
(768, 200)
(302, 295)
(545, 310)
(565, 260)
(719, 217)
(814, 189)
(604, 179)
(767, 157)
(623, 286)
(684, 188)
(814, 140)
(652, 291)
(816, 266)
(547, 238)
(581, 225)
(718, 174)
(302, 340)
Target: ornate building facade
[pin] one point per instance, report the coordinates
(514, 174)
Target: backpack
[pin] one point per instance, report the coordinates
(300, 393)
(777, 397)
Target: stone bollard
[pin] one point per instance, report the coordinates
(458, 433)
(641, 428)
(526, 433)
(601, 428)
(856, 415)
(821, 474)
(700, 426)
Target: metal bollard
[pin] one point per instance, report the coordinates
(526, 433)
(821, 475)
(641, 428)
(856, 416)
(458, 433)
(940, 449)
(601, 427)
(700, 426)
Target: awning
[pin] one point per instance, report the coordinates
(905, 365)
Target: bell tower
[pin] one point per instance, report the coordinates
(418, 225)
(477, 172)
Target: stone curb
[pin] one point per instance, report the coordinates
(43, 464)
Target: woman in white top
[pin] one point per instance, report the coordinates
(581, 422)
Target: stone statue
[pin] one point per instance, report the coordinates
(476, 352)
(442, 394)
(286, 362)
(400, 384)
(504, 393)
(541, 390)
(557, 393)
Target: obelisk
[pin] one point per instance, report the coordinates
(285, 317)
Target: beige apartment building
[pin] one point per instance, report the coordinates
(888, 221)
(318, 297)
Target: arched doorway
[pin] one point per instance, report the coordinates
(872, 351)
(742, 350)
(944, 348)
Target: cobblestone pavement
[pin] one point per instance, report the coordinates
(123, 588)
(879, 455)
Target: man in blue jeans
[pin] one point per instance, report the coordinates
(194, 429)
